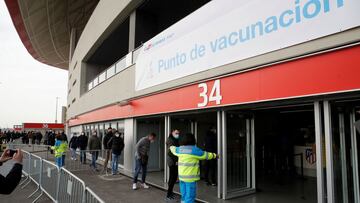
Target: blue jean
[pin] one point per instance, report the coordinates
(188, 192)
(94, 156)
(73, 153)
(115, 163)
(82, 156)
(59, 161)
(63, 160)
(138, 167)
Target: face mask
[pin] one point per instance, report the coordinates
(176, 136)
(117, 135)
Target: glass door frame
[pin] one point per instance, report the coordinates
(330, 187)
(194, 124)
(343, 150)
(250, 150)
(354, 153)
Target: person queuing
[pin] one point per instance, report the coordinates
(46, 138)
(51, 140)
(73, 146)
(210, 165)
(142, 149)
(31, 137)
(189, 166)
(60, 148)
(9, 183)
(82, 143)
(64, 136)
(172, 161)
(107, 137)
(38, 137)
(94, 147)
(116, 144)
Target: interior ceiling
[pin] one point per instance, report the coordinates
(47, 25)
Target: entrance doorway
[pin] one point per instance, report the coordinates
(204, 127)
(238, 154)
(144, 126)
(285, 154)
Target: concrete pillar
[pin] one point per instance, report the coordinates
(130, 141)
(132, 25)
(72, 43)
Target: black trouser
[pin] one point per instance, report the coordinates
(172, 178)
(210, 170)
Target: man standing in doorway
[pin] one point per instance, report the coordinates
(141, 159)
(211, 165)
(107, 137)
(172, 162)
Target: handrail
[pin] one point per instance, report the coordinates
(134, 53)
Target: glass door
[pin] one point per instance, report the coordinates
(355, 139)
(238, 153)
(345, 142)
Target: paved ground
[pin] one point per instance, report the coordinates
(118, 188)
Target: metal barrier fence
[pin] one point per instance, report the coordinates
(59, 184)
(26, 166)
(91, 197)
(49, 179)
(77, 165)
(74, 190)
(35, 165)
(28, 147)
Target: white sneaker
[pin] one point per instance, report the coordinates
(145, 186)
(134, 186)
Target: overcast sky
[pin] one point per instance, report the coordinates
(28, 88)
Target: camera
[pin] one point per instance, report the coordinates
(12, 152)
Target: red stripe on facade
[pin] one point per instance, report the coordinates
(18, 22)
(325, 73)
(43, 126)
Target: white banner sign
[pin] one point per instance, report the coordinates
(225, 31)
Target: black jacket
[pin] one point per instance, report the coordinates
(116, 144)
(107, 137)
(9, 183)
(211, 142)
(82, 142)
(73, 142)
(171, 159)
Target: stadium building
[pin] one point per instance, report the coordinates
(280, 81)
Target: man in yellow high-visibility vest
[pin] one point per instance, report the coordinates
(189, 166)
